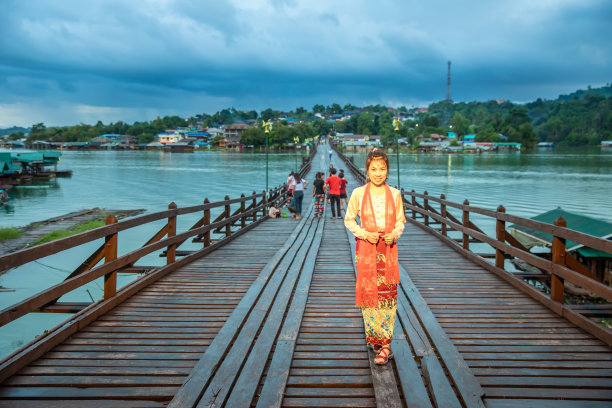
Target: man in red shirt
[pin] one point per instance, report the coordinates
(332, 185)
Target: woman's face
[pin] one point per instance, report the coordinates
(377, 172)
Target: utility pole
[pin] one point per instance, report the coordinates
(448, 83)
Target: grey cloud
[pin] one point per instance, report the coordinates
(164, 56)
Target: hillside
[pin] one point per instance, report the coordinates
(14, 129)
(605, 91)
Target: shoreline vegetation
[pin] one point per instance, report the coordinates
(13, 239)
(583, 118)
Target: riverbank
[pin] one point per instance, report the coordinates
(33, 233)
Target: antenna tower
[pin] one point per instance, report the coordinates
(448, 83)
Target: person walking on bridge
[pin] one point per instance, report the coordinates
(381, 211)
(333, 183)
(298, 194)
(318, 192)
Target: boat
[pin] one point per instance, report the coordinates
(179, 147)
(546, 144)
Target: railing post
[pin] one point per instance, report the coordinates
(171, 250)
(254, 206)
(558, 257)
(413, 201)
(264, 201)
(206, 223)
(500, 229)
(466, 221)
(228, 213)
(242, 207)
(110, 254)
(443, 213)
(425, 206)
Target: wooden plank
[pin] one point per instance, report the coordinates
(248, 377)
(330, 402)
(551, 393)
(383, 378)
(276, 379)
(197, 381)
(467, 385)
(79, 403)
(543, 403)
(49, 393)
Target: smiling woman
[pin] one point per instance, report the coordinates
(381, 212)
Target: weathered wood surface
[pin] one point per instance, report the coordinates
(143, 349)
(516, 347)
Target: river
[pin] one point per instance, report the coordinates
(525, 183)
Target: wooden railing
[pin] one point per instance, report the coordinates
(434, 215)
(166, 238)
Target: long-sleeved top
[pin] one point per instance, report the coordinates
(378, 203)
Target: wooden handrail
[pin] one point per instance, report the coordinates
(24, 256)
(562, 232)
(113, 263)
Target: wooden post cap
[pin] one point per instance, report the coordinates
(560, 222)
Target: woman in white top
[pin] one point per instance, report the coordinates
(298, 194)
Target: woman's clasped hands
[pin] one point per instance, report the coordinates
(372, 237)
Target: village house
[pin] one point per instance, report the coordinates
(236, 129)
(228, 142)
(168, 137)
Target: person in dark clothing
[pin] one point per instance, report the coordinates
(333, 184)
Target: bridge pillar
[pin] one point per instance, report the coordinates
(206, 222)
(558, 257)
(466, 224)
(426, 207)
(228, 213)
(500, 229)
(110, 254)
(171, 250)
(443, 213)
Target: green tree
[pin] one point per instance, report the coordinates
(431, 121)
(318, 109)
(16, 136)
(365, 124)
(460, 124)
(253, 136)
(38, 128)
(268, 114)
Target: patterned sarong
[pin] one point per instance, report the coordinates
(379, 321)
(319, 205)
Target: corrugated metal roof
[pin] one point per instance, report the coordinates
(577, 222)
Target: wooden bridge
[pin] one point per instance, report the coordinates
(263, 315)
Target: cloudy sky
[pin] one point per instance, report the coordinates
(64, 62)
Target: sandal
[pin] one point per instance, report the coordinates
(385, 354)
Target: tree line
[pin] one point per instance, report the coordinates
(581, 118)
